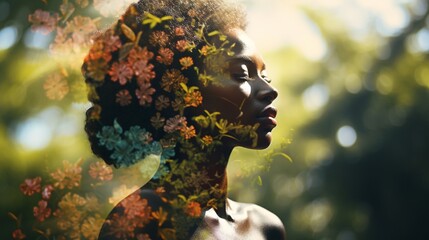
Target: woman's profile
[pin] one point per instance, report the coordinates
(182, 81)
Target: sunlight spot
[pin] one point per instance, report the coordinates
(8, 37)
(37, 40)
(36, 132)
(315, 97)
(346, 136)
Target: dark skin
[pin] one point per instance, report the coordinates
(244, 95)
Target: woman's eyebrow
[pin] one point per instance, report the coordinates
(245, 58)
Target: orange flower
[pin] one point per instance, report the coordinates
(69, 177)
(165, 56)
(56, 87)
(193, 98)
(101, 171)
(193, 209)
(207, 140)
(188, 132)
(181, 45)
(31, 186)
(186, 62)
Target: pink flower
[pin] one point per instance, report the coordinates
(47, 191)
(42, 211)
(31, 186)
(165, 56)
(175, 123)
(122, 72)
(144, 71)
(123, 97)
(144, 93)
(111, 41)
(43, 21)
(101, 171)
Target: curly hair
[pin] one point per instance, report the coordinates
(163, 58)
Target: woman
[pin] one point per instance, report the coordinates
(180, 80)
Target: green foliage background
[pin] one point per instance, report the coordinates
(376, 189)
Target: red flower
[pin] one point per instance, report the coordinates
(42, 211)
(31, 186)
(18, 234)
(136, 207)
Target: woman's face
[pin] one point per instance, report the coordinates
(244, 93)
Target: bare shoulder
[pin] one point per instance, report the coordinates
(269, 223)
(131, 217)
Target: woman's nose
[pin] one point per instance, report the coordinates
(267, 92)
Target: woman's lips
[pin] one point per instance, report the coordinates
(267, 117)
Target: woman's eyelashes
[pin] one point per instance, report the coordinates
(241, 73)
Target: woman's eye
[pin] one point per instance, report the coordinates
(267, 79)
(242, 76)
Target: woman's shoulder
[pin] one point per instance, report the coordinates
(134, 216)
(267, 221)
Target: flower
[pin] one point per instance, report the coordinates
(69, 177)
(121, 227)
(56, 87)
(162, 102)
(186, 62)
(101, 171)
(181, 45)
(165, 56)
(157, 121)
(158, 38)
(207, 140)
(108, 136)
(31, 186)
(123, 97)
(42, 211)
(47, 191)
(193, 98)
(175, 123)
(144, 71)
(111, 42)
(91, 227)
(188, 132)
(136, 207)
(18, 234)
(171, 80)
(179, 31)
(193, 209)
(43, 21)
(138, 53)
(121, 71)
(144, 93)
